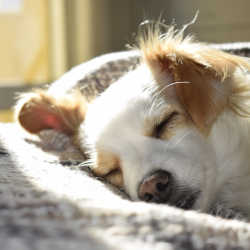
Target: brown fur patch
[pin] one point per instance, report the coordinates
(171, 48)
(208, 75)
(105, 163)
(107, 166)
(202, 97)
(115, 178)
(39, 110)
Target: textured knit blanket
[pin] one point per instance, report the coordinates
(49, 202)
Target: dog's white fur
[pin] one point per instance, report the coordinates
(121, 131)
(206, 146)
(217, 164)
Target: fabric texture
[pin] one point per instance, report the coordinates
(49, 202)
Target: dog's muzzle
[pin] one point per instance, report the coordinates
(161, 187)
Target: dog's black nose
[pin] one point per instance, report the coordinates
(156, 188)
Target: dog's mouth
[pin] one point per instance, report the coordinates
(184, 199)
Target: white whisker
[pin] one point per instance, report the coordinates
(174, 83)
(182, 138)
(158, 93)
(87, 163)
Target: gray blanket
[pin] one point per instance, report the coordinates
(47, 202)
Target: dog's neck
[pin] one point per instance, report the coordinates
(230, 141)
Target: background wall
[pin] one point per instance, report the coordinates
(42, 39)
(218, 21)
(24, 42)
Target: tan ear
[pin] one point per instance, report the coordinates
(39, 110)
(210, 73)
(199, 89)
(198, 80)
(202, 94)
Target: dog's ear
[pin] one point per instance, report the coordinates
(40, 110)
(191, 70)
(201, 92)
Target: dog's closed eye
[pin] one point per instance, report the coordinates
(160, 128)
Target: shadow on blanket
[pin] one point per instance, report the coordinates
(45, 204)
(34, 212)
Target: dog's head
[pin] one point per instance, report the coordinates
(153, 131)
(150, 131)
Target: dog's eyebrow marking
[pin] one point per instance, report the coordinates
(159, 128)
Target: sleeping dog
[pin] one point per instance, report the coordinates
(174, 130)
